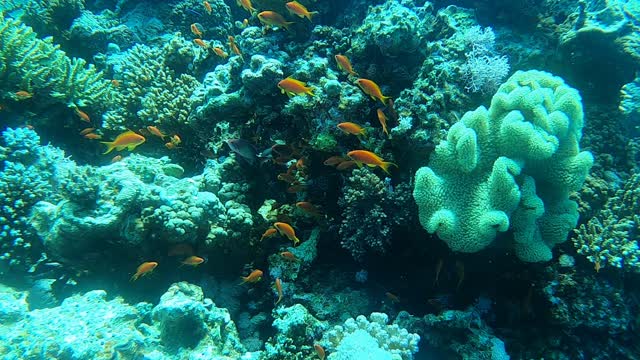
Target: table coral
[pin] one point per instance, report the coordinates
(511, 166)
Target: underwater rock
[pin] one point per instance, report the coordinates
(13, 305)
(41, 294)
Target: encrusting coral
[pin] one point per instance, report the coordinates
(511, 166)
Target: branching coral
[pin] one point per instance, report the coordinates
(612, 237)
(151, 93)
(39, 67)
(52, 17)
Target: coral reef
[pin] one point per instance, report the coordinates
(183, 322)
(296, 332)
(38, 67)
(377, 206)
(371, 338)
(611, 237)
(482, 179)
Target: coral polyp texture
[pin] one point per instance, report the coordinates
(512, 166)
(40, 68)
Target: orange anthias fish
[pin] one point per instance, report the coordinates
(372, 89)
(175, 139)
(221, 53)
(352, 128)
(86, 131)
(144, 269)
(234, 47)
(334, 160)
(272, 18)
(320, 351)
(394, 298)
(246, 4)
(295, 8)
(127, 140)
(23, 95)
(288, 255)
(155, 131)
(92, 136)
(383, 121)
(370, 159)
(346, 165)
(292, 87)
(193, 261)
(278, 285)
(254, 277)
(82, 115)
(345, 65)
(201, 43)
(196, 29)
(268, 233)
(287, 231)
(308, 208)
(207, 7)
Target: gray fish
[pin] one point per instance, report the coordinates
(244, 149)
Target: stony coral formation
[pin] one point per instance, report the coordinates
(611, 237)
(42, 69)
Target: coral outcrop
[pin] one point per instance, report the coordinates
(511, 166)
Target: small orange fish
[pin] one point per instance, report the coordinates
(296, 188)
(345, 65)
(116, 159)
(23, 95)
(254, 277)
(245, 23)
(115, 83)
(308, 208)
(370, 159)
(86, 131)
(175, 139)
(352, 128)
(127, 140)
(234, 47)
(288, 255)
(268, 233)
(246, 4)
(155, 131)
(144, 269)
(180, 249)
(196, 29)
(372, 89)
(290, 179)
(597, 266)
(207, 7)
(383, 121)
(193, 261)
(221, 53)
(346, 165)
(334, 160)
(295, 8)
(287, 231)
(278, 285)
(92, 136)
(272, 18)
(300, 164)
(320, 351)
(201, 43)
(82, 115)
(394, 299)
(293, 87)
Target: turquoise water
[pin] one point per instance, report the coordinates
(319, 179)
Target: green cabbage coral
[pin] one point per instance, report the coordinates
(38, 66)
(512, 166)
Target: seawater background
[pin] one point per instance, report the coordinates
(75, 226)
